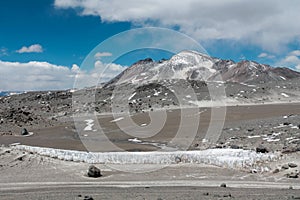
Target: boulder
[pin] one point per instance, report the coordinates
(292, 165)
(223, 185)
(286, 123)
(177, 159)
(88, 198)
(94, 172)
(285, 166)
(293, 175)
(24, 132)
(288, 150)
(261, 149)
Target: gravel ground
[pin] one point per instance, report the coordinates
(30, 176)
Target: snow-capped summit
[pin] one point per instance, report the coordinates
(192, 65)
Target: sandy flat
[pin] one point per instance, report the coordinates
(66, 137)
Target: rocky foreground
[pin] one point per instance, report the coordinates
(52, 178)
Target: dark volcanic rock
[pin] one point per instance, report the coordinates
(94, 172)
(285, 166)
(293, 175)
(286, 123)
(290, 150)
(24, 132)
(223, 185)
(88, 198)
(292, 165)
(177, 159)
(261, 149)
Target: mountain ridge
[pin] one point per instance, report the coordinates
(192, 65)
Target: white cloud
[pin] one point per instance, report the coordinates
(265, 55)
(99, 55)
(99, 74)
(269, 23)
(262, 55)
(35, 48)
(45, 76)
(75, 68)
(295, 53)
(292, 60)
(110, 70)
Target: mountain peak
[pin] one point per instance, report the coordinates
(143, 61)
(192, 65)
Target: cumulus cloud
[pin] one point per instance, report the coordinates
(35, 48)
(291, 60)
(100, 73)
(295, 53)
(269, 23)
(46, 76)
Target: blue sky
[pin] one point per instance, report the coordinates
(65, 37)
(46, 36)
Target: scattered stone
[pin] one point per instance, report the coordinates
(177, 159)
(285, 166)
(21, 158)
(24, 132)
(293, 175)
(289, 150)
(286, 123)
(227, 195)
(223, 185)
(250, 129)
(235, 146)
(261, 149)
(276, 171)
(94, 172)
(291, 187)
(292, 165)
(88, 198)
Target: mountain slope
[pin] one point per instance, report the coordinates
(191, 65)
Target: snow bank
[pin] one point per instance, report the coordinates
(229, 158)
